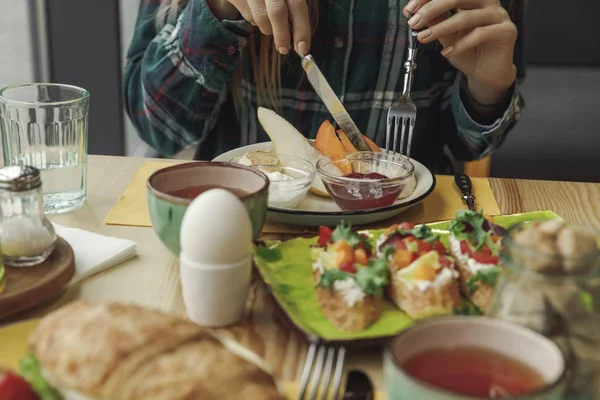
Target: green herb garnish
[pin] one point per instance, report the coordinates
(345, 232)
(487, 276)
(371, 279)
(467, 308)
(421, 232)
(30, 369)
(469, 226)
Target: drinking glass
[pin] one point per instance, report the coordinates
(46, 126)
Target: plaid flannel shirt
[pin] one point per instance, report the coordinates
(180, 62)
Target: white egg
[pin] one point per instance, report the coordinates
(215, 229)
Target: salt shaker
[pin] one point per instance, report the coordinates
(215, 260)
(26, 236)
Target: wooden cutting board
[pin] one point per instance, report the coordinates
(31, 286)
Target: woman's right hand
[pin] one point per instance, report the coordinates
(273, 17)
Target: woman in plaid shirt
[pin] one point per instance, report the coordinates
(198, 69)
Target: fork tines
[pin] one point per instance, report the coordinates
(397, 128)
(323, 361)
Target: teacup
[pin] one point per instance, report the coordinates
(504, 339)
(171, 190)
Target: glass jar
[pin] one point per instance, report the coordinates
(26, 236)
(550, 282)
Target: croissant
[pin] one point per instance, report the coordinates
(126, 352)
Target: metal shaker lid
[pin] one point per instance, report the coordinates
(19, 178)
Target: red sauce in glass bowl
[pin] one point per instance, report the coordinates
(372, 176)
(365, 194)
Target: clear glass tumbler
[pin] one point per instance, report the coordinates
(46, 126)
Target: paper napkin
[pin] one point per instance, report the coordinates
(95, 253)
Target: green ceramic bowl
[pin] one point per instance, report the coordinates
(171, 190)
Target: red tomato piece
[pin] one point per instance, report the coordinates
(464, 247)
(324, 236)
(406, 226)
(13, 387)
(445, 262)
(397, 242)
(424, 247)
(349, 267)
(485, 258)
(439, 247)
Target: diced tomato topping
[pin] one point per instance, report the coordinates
(424, 247)
(406, 226)
(349, 267)
(324, 236)
(484, 258)
(397, 242)
(464, 247)
(445, 262)
(439, 247)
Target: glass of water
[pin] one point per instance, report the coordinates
(46, 126)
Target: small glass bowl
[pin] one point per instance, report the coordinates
(364, 193)
(290, 176)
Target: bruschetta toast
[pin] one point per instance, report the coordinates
(475, 243)
(422, 279)
(349, 280)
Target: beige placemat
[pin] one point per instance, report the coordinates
(132, 210)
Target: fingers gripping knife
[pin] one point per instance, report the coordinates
(403, 112)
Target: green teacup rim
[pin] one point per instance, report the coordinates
(182, 201)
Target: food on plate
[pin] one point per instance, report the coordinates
(288, 140)
(422, 277)
(15, 387)
(332, 143)
(475, 242)
(259, 157)
(125, 352)
(349, 279)
(2, 278)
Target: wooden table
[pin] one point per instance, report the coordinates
(152, 278)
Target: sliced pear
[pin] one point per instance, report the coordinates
(287, 140)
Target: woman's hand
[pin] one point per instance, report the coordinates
(274, 17)
(478, 40)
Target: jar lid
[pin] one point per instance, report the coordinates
(19, 178)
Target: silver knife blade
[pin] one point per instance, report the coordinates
(333, 104)
(465, 186)
(358, 386)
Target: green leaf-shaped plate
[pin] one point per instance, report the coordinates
(286, 269)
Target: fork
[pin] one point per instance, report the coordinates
(321, 374)
(403, 112)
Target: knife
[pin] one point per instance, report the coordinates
(333, 104)
(358, 386)
(464, 185)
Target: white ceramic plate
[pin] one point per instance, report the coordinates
(315, 210)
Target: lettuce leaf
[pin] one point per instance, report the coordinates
(472, 227)
(30, 369)
(344, 232)
(371, 279)
(488, 276)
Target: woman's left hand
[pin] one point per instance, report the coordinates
(478, 40)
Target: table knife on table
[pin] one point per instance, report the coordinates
(333, 103)
(358, 386)
(465, 186)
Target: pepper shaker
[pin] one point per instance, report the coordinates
(26, 236)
